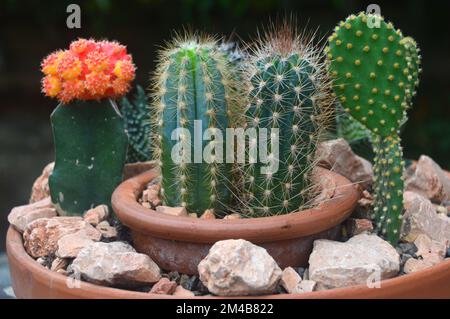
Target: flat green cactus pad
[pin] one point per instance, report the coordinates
(370, 72)
(90, 147)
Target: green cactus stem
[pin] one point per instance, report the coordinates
(388, 186)
(137, 125)
(194, 82)
(90, 149)
(288, 92)
(375, 71)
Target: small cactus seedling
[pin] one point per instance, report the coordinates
(90, 140)
(288, 91)
(137, 125)
(375, 71)
(194, 84)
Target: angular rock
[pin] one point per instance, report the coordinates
(21, 216)
(233, 216)
(59, 263)
(339, 157)
(193, 215)
(40, 188)
(237, 268)
(115, 264)
(356, 226)
(425, 246)
(164, 287)
(335, 264)
(152, 194)
(174, 211)
(41, 236)
(307, 286)
(208, 214)
(428, 179)
(108, 232)
(134, 169)
(183, 293)
(290, 280)
(70, 245)
(325, 188)
(364, 206)
(420, 218)
(96, 215)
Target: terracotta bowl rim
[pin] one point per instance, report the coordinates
(281, 227)
(18, 256)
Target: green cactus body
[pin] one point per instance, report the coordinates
(388, 186)
(194, 82)
(90, 148)
(287, 92)
(137, 125)
(374, 73)
(413, 62)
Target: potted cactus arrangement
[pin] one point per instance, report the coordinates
(239, 199)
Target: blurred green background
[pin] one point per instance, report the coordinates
(29, 30)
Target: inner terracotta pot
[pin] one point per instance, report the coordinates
(180, 243)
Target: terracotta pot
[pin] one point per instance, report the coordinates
(31, 280)
(180, 243)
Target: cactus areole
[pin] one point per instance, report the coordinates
(90, 139)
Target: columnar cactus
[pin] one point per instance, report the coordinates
(288, 91)
(90, 140)
(375, 71)
(137, 125)
(194, 91)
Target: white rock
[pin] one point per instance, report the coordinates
(428, 179)
(338, 156)
(21, 216)
(115, 264)
(307, 285)
(420, 217)
(335, 264)
(237, 268)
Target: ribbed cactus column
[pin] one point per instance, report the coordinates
(375, 71)
(287, 93)
(194, 86)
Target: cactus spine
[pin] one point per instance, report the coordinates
(137, 125)
(288, 91)
(194, 82)
(375, 70)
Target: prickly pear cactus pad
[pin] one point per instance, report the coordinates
(90, 139)
(375, 71)
(195, 89)
(288, 91)
(137, 124)
(370, 71)
(90, 148)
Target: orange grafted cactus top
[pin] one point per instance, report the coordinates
(88, 70)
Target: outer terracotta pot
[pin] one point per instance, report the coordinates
(31, 280)
(180, 243)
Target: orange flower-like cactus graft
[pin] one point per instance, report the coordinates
(88, 70)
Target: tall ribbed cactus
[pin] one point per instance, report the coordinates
(194, 82)
(375, 70)
(288, 91)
